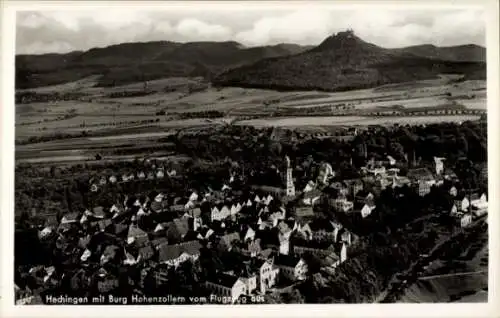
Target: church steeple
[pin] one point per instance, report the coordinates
(290, 187)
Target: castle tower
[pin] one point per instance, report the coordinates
(290, 187)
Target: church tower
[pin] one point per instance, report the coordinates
(290, 187)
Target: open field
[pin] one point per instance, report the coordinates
(351, 120)
(118, 122)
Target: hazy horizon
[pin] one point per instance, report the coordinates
(40, 32)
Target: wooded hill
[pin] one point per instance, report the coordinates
(135, 62)
(344, 61)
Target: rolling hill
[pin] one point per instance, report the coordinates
(132, 62)
(341, 62)
(344, 61)
(467, 53)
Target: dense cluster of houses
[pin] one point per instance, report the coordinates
(159, 231)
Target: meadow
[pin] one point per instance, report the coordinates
(114, 117)
(352, 120)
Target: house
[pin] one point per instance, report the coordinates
(321, 230)
(264, 224)
(205, 233)
(80, 280)
(315, 248)
(367, 209)
(353, 186)
(325, 173)
(264, 211)
(177, 208)
(466, 220)
(158, 241)
(330, 261)
(454, 211)
(157, 207)
(30, 300)
(253, 248)
(342, 204)
(94, 188)
(277, 216)
(340, 188)
(109, 254)
(226, 241)
(113, 179)
(304, 229)
(45, 233)
(193, 197)
(291, 267)
(311, 197)
(257, 199)
(276, 191)
(161, 228)
(102, 181)
(146, 253)
(304, 211)
(449, 174)
(84, 241)
(107, 284)
(130, 259)
(267, 274)
(219, 215)
(173, 255)
(196, 220)
(116, 210)
(268, 199)
(189, 205)
(70, 218)
(137, 236)
(479, 205)
(422, 178)
(345, 236)
(284, 234)
(141, 175)
(309, 186)
(334, 258)
(250, 281)
(463, 204)
(177, 229)
(249, 235)
(228, 287)
(378, 171)
(453, 191)
(160, 174)
(105, 224)
(98, 212)
(398, 181)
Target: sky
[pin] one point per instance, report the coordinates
(44, 31)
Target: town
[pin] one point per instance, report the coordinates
(250, 215)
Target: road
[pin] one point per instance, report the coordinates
(451, 275)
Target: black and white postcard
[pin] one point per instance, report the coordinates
(230, 154)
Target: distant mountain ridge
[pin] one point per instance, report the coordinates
(344, 61)
(465, 53)
(341, 61)
(132, 62)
